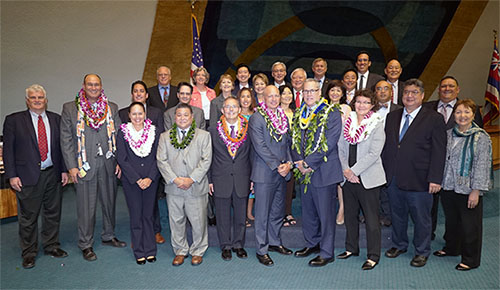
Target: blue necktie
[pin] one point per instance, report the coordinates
(405, 127)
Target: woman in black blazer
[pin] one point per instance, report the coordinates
(137, 143)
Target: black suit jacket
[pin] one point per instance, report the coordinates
(433, 105)
(226, 173)
(420, 156)
(324, 93)
(155, 99)
(394, 107)
(21, 154)
(373, 79)
(152, 113)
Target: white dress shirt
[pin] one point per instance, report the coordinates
(34, 119)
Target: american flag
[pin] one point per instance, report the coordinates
(197, 56)
(492, 95)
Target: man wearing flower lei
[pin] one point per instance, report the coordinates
(271, 165)
(229, 176)
(88, 130)
(315, 133)
(184, 157)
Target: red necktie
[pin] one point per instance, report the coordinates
(297, 100)
(42, 139)
(165, 96)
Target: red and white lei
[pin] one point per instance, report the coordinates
(140, 142)
(355, 134)
(94, 119)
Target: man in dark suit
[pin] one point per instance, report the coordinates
(324, 170)
(319, 68)
(448, 96)
(278, 72)
(36, 171)
(383, 91)
(229, 177)
(88, 133)
(271, 165)
(392, 72)
(298, 77)
(184, 95)
(366, 79)
(140, 94)
(243, 75)
(163, 95)
(413, 158)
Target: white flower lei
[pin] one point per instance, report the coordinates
(354, 133)
(140, 142)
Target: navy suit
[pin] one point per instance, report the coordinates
(156, 100)
(269, 185)
(318, 203)
(231, 181)
(410, 165)
(41, 190)
(140, 202)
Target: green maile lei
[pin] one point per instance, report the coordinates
(186, 141)
(321, 111)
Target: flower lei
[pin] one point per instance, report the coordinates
(93, 119)
(276, 123)
(355, 134)
(186, 141)
(321, 111)
(139, 141)
(232, 144)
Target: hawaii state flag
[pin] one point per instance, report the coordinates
(197, 56)
(492, 96)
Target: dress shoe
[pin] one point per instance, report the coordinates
(28, 262)
(369, 264)
(141, 261)
(418, 261)
(226, 255)
(196, 260)
(56, 253)
(159, 238)
(89, 255)
(178, 260)
(240, 253)
(115, 243)
(151, 259)
(212, 221)
(319, 261)
(307, 251)
(463, 267)
(265, 260)
(394, 252)
(346, 255)
(280, 249)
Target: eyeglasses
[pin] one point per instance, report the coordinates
(310, 91)
(363, 103)
(231, 107)
(382, 88)
(163, 75)
(411, 93)
(278, 70)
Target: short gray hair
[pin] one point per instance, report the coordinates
(415, 82)
(311, 80)
(278, 63)
(35, 88)
(299, 69)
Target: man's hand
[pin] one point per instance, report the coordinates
(15, 183)
(434, 187)
(74, 173)
(118, 171)
(183, 182)
(64, 178)
(211, 189)
(283, 169)
(301, 168)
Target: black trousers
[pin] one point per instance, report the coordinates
(434, 211)
(236, 238)
(45, 196)
(356, 197)
(463, 227)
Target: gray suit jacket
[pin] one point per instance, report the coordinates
(69, 146)
(369, 163)
(169, 118)
(267, 154)
(193, 161)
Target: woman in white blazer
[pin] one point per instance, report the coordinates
(360, 147)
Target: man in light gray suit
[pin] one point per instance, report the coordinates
(88, 129)
(184, 156)
(184, 91)
(271, 165)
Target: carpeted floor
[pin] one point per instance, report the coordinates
(116, 268)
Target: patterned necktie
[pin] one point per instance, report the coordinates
(394, 97)
(444, 112)
(233, 133)
(297, 100)
(165, 95)
(183, 135)
(42, 139)
(405, 127)
(361, 82)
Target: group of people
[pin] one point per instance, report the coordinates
(364, 148)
